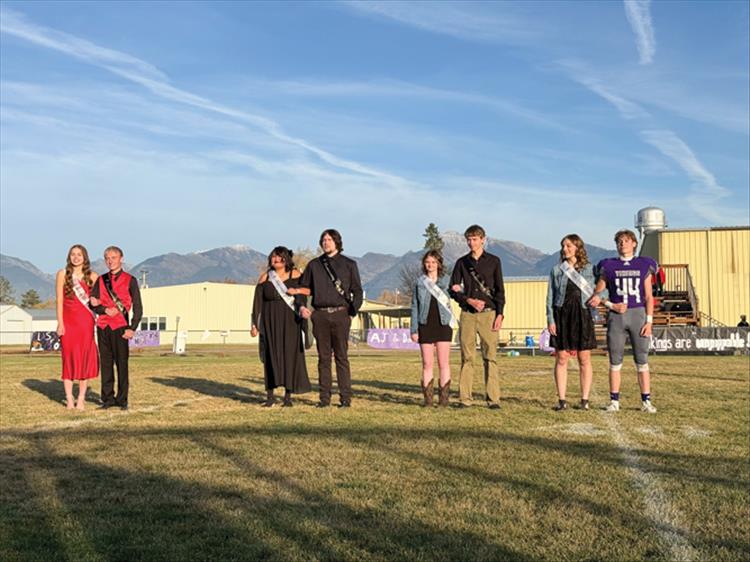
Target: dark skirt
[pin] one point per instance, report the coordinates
(434, 331)
(575, 327)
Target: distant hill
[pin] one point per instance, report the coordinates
(517, 259)
(595, 254)
(24, 275)
(242, 264)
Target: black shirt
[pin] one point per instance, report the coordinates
(135, 297)
(489, 269)
(324, 293)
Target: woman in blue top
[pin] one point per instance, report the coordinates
(431, 325)
(569, 318)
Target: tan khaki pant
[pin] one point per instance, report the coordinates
(472, 324)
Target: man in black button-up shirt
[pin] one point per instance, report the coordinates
(477, 286)
(333, 280)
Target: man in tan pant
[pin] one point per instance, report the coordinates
(477, 286)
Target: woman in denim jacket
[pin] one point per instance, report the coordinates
(431, 326)
(569, 319)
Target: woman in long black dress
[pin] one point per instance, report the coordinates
(569, 318)
(275, 317)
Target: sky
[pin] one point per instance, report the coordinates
(181, 127)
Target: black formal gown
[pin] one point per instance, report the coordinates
(284, 351)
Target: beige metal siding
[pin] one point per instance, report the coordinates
(729, 255)
(691, 248)
(719, 264)
(212, 307)
(525, 309)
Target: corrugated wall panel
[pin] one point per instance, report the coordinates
(691, 248)
(729, 252)
(524, 309)
(719, 263)
(215, 307)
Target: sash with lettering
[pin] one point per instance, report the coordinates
(440, 297)
(281, 289)
(586, 289)
(82, 296)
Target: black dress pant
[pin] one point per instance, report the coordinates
(114, 350)
(331, 331)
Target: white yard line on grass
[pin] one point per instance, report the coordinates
(658, 508)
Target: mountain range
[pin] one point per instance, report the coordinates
(242, 264)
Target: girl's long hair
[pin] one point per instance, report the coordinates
(85, 268)
(582, 258)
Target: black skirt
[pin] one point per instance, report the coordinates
(575, 327)
(434, 331)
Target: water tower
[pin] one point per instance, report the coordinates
(650, 219)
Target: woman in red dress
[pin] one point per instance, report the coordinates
(75, 324)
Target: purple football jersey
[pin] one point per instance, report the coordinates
(625, 279)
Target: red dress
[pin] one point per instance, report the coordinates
(80, 358)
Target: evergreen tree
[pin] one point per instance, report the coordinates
(30, 299)
(6, 291)
(433, 241)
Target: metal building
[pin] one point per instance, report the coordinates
(718, 260)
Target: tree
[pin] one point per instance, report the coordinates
(433, 241)
(303, 256)
(392, 297)
(408, 279)
(30, 299)
(6, 291)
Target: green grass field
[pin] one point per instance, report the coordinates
(196, 470)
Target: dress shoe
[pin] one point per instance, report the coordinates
(124, 407)
(345, 404)
(106, 406)
(494, 406)
(322, 404)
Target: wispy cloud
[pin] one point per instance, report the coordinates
(400, 89)
(639, 16)
(675, 148)
(627, 108)
(462, 20)
(705, 191)
(151, 78)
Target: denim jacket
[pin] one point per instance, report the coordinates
(556, 288)
(420, 304)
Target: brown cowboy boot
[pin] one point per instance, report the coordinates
(445, 392)
(428, 391)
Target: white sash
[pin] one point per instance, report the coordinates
(440, 297)
(578, 279)
(81, 295)
(278, 284)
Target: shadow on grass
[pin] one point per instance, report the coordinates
(139, 515)
(212, 388)
(381, 533)
(53, 389)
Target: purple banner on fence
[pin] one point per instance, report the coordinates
(394, 338)
(145, 338)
